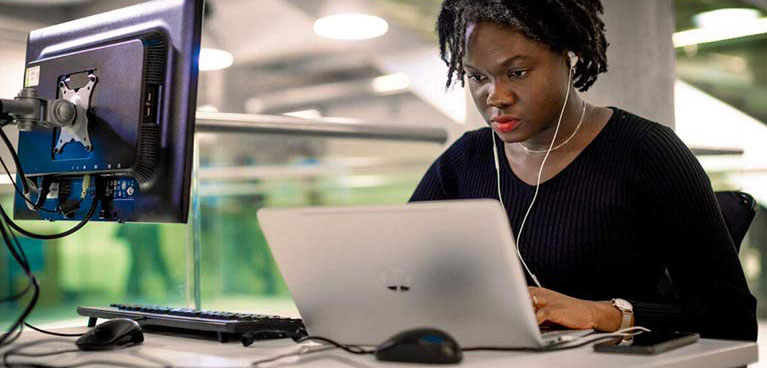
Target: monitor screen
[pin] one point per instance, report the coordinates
(133, 74)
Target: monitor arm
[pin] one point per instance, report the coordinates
(69, 113)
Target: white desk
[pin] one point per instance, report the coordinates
(195, 352)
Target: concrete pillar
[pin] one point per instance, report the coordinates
(640, 59)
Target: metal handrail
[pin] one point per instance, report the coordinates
(218, 122)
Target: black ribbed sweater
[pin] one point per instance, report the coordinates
(632, 205)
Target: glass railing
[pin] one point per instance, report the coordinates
(240, 171)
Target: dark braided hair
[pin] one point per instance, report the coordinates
(572, 25)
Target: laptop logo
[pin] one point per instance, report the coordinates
(396, 280)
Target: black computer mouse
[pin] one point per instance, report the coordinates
(421, 345)
(111, 334)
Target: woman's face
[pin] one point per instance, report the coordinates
(518, 84)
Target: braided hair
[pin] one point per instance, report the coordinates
(572, 25)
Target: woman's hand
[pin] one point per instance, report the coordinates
(553, 307)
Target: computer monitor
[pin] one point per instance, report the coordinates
(134, 70)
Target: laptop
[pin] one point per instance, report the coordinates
(359, 275)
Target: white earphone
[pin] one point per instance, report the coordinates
(573, 61)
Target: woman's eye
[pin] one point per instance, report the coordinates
(517, 73)
(476, 77)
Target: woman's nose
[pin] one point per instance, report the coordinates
(499, 97)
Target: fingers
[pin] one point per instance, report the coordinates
(541, 315)
(537, 297)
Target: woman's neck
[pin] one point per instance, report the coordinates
(570, 120)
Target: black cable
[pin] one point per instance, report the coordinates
(21, 259)
(20, 170)
(52, 333)
(18, 295)
(354, 349)
(36, 287)
(16, 351)
(16, 161)
(18, 191)
(564, 345)
(297, 353)
(16, 337)
(82, 223)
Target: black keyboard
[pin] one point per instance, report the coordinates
(226, 325)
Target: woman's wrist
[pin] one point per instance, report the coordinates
(606, 316)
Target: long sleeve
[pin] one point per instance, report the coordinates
(684, 217)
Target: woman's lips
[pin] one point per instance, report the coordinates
(506, 125)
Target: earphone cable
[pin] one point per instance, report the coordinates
(537, 184)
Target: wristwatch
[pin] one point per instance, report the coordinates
(626, 309)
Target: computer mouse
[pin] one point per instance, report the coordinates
(421, 345)
(111, 334)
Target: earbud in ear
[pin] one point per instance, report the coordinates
(573, 59)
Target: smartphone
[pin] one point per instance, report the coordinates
(648, 342)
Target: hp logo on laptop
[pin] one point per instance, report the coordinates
(396, 280)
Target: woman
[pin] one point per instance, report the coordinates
(604, 204)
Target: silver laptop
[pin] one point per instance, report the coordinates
(359, 275)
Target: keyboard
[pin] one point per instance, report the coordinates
(226, 325)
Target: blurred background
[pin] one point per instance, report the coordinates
(706, 61)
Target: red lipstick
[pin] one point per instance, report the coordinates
(505, 123)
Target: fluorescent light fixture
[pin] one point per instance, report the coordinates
(391, 83)
(720, 25)
(215, 59)
(350, 26)
(725, 18)
(706, 35)
(305, 114)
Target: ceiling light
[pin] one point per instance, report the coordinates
(706, 35)
(725, 18)
(214, 59)
(391, 83)
(350, 26)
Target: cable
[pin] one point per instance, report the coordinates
(18, 191)
(16, 337)
(304, 350)
(22, 261)
(33, 280)
(16, 161)
(538, 182)
(82, 223)
(354, 349)
(20, 170)
(52, 333)
(571, 344)
(22, 175)
(18, 295)
(16, 351)
(563, 345)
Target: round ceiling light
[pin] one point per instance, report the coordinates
(350, 26)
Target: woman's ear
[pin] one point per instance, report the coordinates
(573, 59)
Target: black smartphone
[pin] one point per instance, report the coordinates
(648, 342)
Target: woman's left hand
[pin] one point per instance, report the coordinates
(553, 307)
